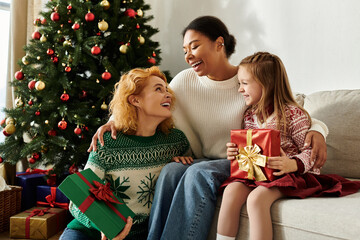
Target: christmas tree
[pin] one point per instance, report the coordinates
(77, 53)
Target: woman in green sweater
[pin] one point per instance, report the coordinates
(146, 141)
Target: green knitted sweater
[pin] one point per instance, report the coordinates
(132, 165)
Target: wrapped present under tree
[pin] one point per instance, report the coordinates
(37, 223)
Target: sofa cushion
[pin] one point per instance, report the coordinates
(340, 111)
(310, 218)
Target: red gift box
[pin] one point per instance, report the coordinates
(254, 145)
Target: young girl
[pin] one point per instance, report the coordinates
(265, 87)
(146, 141)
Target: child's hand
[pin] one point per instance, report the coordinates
(232, 151)
(282, 163)
(183, 160)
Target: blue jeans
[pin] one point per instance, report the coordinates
(72, 234)
(185, 199)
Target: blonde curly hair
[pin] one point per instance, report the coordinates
(123, 112)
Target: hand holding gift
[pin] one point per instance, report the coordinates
(282, 163)
(250, 157)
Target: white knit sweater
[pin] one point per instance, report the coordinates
(206, 111)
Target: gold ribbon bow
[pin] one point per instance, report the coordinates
(250, 160)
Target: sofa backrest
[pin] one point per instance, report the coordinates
(340, 111)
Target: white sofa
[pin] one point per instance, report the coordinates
(326, 217)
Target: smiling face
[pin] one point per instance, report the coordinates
(201, 53)
(249, 87)
(154, 100)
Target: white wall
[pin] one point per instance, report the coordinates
(318, 40)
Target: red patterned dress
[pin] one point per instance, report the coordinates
(307, 181)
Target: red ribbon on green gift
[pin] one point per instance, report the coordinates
(50, 200)
(37, 212)
(101, 192)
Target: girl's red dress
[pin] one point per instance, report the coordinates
(307, 183)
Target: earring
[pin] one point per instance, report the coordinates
(222, 44)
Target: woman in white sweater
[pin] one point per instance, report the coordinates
(208, 106)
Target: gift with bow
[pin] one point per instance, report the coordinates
(255, 146)
(96, 200)
(37, 223)
(52, 197)
(29, 180)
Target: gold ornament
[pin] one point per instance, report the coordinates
(43, 38)
(19, 102)
(67, 43)
(93, 107)
(38, 57)
(141, 40)
(46, 121)
(105, 4)
(59, 31)
(103, 25)
(9, 120)
(140, 12)
(123, 48)
(24, 60)
(10, 129)
(104, 106)
(97, 81)
(40, 85)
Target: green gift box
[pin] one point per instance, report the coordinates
(86, 190)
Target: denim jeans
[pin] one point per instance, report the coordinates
(72, 234)
(185, 199)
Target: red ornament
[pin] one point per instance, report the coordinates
(37, 113)
(62, 124)
(32, 161)
(19, 75)
(106, 75)
(98, 33)
(83, 94)
(73, 169)
(1, 160)
(37, 22)
(67, 69)
(43, 21)
(52, 132)
(2, 123)
(55, 16)
(55, 59)
(137, 26)
(31, 84)
(154, 54)
(152, 61)
(95, 50)
(64, 97)
(77, 131)
(76, 26)
(36, 35)
(36, 156)
(50, 52)
(30, 102)
(5, 133)
(130, 13)
(69, 21)
(69, 7)
(89, 17)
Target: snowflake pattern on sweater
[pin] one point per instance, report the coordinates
(292, 141)
(132, 164)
